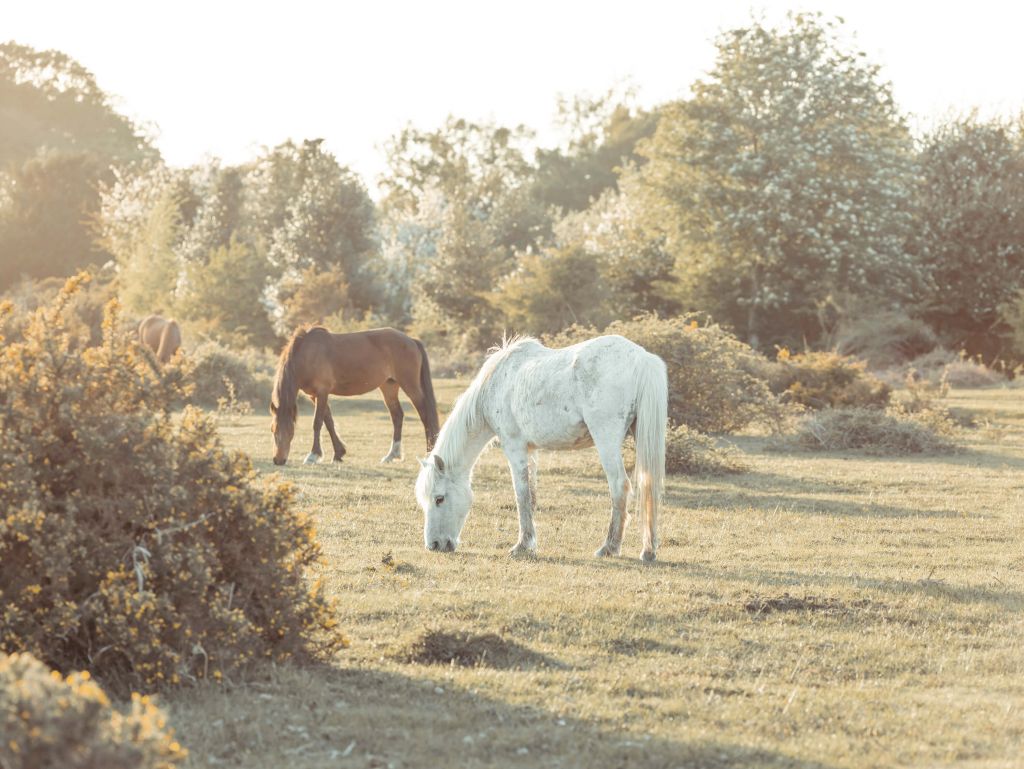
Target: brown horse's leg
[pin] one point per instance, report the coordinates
(339, 447)
(318, 421)
(415, 393)
(390, 391)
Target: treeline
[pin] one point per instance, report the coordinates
(786, 197)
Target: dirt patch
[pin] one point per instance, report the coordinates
(759, 604)
(466, 649)
(631, 647)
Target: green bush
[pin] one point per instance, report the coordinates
(218, 373)
(51, 722)
(716, 382)
(132, 544)
(819, 380)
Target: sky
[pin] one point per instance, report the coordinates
(224, 79)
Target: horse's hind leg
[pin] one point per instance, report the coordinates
(610, 450)
(390, 391)
(339, 447)
(318, 421)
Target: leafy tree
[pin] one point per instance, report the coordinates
(44, 227)
(50, 101)
(225, 295)
(312, 213)
(218, 216)
(782, 186)
(313, 296)
(59, 138)
(971, 210)
(636, 268)
(604, 134)
(552, 290)
(478, 177)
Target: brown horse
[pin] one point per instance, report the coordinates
(160, 335)
(322, 364)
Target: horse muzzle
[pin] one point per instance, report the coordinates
(446, 545)
(279, 462)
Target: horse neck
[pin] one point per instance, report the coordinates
(462, 440)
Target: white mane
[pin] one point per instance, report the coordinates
(464, 420)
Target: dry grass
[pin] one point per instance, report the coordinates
(819, 611)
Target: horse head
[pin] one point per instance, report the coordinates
(445, 499)
(283, 429)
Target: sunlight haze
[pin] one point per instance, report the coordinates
(223, 79)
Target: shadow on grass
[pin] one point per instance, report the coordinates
(330, 716)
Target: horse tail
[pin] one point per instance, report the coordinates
(429, 401)
(170, 341)
(283, 405)
(651, 420)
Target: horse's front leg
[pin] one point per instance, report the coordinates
(519, 465)
(318, 422)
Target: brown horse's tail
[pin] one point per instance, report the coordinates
(170, 341)
(429, 402)
(283, 398)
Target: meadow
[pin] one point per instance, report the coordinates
(821, 610)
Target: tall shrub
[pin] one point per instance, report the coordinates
(132, 544)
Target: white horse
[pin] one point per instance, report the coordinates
(531, 397)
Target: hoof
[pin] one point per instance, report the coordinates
(648, 556)
(523, 551)
(337, 458)
(607, 551)
(312, 459)
(390, 458)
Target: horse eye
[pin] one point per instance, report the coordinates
(439, 500)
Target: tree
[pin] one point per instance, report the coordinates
(782, 186)
(603, 136)
(50, 101)
(551, 290)
(971, 209)
(225, 295)
(313, 213)
(478, 178)
(636, 269)
(59, 138)
(45, 225)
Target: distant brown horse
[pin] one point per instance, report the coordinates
(322, 364)
(160, 335)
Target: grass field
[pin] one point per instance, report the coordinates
(818, 611)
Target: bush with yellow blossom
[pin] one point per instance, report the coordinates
(48, 721)
(131, 543)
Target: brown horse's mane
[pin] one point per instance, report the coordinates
(283, 399)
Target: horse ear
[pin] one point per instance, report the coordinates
(439, 464)
(423, 462)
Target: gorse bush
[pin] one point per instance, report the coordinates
(716, 382)
(132, 544)
(820, 380)
(51, 722)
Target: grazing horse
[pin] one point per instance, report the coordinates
(530, 397)
(322, 364)
(161, 335)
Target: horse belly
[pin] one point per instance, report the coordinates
(558, 432)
